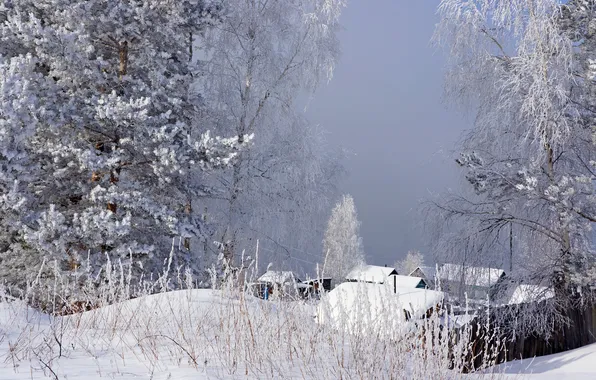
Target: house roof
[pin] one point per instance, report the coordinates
(278, 277)
(370, 273)
(407, 281)
(428, 271)
(473, 276)
(525, 293)
(371, 308)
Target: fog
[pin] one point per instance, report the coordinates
(385, 105)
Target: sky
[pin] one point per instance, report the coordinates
(385, 105)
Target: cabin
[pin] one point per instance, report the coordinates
(283, 284)
(476, 282)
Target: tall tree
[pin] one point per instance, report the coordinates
(342, 246)
(100, 131)
(256, 63)
(529, 158)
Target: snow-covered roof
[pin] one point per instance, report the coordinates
(526, 293)
(374, 308)
(406, 281)
(317, 279)
(278, 277)
(472, 276)
(370, 273)
(428, 271)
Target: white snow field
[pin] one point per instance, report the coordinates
(202, 334)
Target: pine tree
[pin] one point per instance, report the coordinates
(342, 246)
(100, 131)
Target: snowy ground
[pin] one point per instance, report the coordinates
(197, 334)
(175, 335)
(574, 364)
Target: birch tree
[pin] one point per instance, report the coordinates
(256, 62)
(413, 260)
(525, 67)
(342, 245)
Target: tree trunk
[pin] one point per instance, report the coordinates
(188, 211)
(561, 274)
(123, 67)
(123, 54)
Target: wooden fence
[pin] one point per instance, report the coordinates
(495, 348)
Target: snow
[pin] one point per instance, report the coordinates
(577, 364)
(101, 347)
(474, 276)
(370, 273)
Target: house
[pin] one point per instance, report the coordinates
(279, 283)
(385, 275)
(400, 281)
(371, 274)
(427, 273)
(318, 285)
(476, 282)
(373, 308)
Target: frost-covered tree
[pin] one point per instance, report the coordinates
(529, 160)
(255, 64)
(408, 264)
(100, 131)
(342, 246)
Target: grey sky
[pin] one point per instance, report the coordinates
(385, 105)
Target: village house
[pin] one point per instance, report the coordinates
(318, 285)
(400, 281)
(428, 273)
(375, 308)
(284, 284)
(385, 275)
